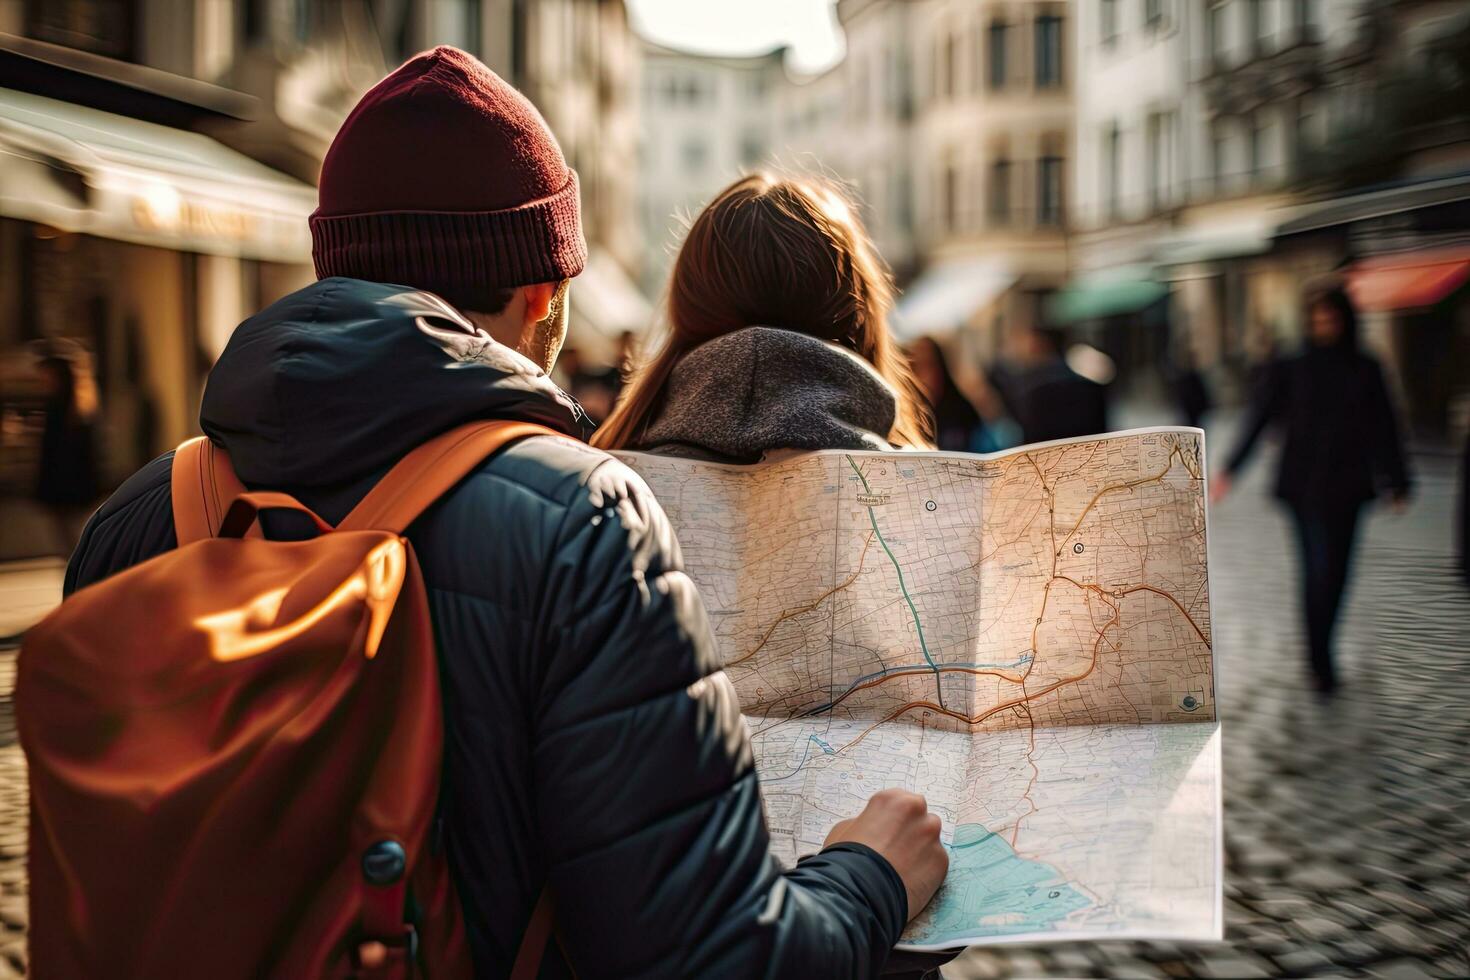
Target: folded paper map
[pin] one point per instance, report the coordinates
(1022, 637)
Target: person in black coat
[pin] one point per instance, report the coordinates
(593, 746)
(1341, 449)
(1045, 396)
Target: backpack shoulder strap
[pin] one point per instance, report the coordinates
(432, 470)
(202, 486)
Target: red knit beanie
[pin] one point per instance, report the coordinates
(446, 178)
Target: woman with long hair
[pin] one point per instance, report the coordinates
(1341, 449)
(777, 336)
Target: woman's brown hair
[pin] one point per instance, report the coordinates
(776, 252)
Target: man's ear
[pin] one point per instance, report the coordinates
(538, 300)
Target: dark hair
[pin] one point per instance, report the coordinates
(1336, 299)
(783, 252)
(488, 300)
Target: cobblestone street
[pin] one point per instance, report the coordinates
(1346, 822)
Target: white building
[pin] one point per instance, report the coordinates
(703, 121)
(1193, 119)
(990, 152)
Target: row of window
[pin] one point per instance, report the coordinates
(1247, 148)
(1110, 21)
(994, 46)
(688, 88)
(1000, 193)
(1263, 19)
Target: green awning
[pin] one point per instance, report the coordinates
(1103, 295)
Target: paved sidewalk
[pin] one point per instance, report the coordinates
(28, 591)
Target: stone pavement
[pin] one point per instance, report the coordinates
(1347, 823)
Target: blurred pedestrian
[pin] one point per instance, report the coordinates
(1341, 449)
(1046, 396)
(1191, 394)
(958, 427)
(593, 751)
(1465, 509)
(67, 483)
(778, 336)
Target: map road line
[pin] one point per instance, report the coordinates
(898, 570)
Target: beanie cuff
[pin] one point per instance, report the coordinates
(450, 252)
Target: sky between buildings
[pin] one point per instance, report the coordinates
(738, 27)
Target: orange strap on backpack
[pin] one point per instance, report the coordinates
(204, 486)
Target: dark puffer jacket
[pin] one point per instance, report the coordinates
(591, 739)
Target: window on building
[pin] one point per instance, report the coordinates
(1258, 25)
(1215, 29)
(950, 196)
(949, 66)
(1219, 153)
(1109, 21)
(1259, 134)
(455, 22)
(1049, 191)
(1154, 151)
(1307, 18)
(755, 87)
(1304, 129)
(752, 149)
(999, 204)
(1113, 169)
(255, 21)
(696, 154)
(1153, 13)
(1048, 51)
(903, 201)
(857, 91)
(671, 90)
(999, 67)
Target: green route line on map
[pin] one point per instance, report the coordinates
(918, 627)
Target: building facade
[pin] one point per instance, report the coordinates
(157, 163)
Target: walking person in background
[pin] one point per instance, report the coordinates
(778, 336)
(1341, 448)
(1045, 395)
(1191, 394)
(68, 483)
(958, 427)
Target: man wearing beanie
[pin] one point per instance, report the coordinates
(593, 749)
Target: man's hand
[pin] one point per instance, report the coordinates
(899, 826)
(1219, 486)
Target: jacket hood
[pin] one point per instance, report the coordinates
(342, 378)
(762, 388)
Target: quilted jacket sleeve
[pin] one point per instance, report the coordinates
(645, 789)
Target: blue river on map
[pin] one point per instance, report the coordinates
(993, 891)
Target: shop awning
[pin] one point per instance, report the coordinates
(1112, 293)
(1209, 244)
(949, 294)
(1408, 281)
(97, 173)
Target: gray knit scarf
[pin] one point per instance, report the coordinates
(741, 395)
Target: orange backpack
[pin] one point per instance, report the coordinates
(235, 747)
